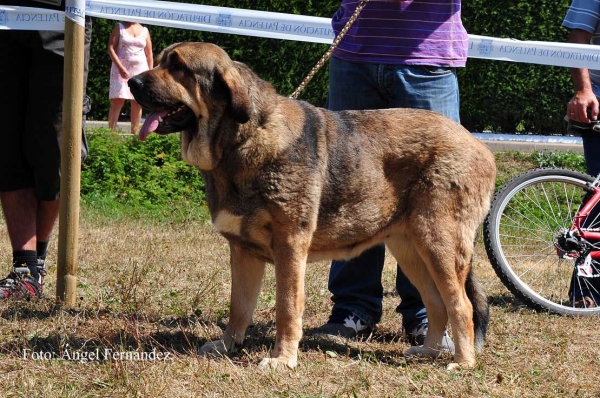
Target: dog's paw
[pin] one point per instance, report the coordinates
(461, 365)
(458, 364)
(453, 366)
(215, 347)
(274, 363)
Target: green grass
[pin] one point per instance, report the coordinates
(510, 163)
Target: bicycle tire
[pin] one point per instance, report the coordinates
(520, 231)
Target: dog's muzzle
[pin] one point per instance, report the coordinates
(136, 84)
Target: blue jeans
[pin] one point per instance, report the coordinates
(356, 284)
(591, 152)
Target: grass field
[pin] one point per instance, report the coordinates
(151, 292)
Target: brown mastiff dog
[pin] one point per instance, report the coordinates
(289, 183)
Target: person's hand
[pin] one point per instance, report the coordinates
(124, 74)
(579, 104)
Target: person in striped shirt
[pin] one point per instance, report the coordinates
(396, 54)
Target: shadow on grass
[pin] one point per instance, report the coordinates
(97, 338)
(40, 326)
(385, 348)
(508, 303)
(48, 328)
(57, 344)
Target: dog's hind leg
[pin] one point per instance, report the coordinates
(445, 243)
(415, 269)
(246, 278)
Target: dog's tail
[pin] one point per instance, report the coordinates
(481, 311)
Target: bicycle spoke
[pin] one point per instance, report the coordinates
(519, 225)
(522, 231)
(528, 217)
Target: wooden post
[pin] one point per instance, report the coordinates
(70, 178)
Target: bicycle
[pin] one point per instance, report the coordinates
(542, 237)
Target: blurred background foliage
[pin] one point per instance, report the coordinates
(495, 96)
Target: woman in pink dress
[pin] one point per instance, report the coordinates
(130, 50)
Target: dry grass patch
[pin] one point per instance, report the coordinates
(164, 288)
(146, 288)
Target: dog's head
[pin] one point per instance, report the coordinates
(190, 90)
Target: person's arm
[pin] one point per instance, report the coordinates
(584, 97)
(148, 51)
(113, 43)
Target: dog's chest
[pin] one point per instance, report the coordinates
(253, 232)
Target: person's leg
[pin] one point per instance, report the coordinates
(435, 89)
(585, 292)
(412, 309)
(356, 284)
(425, 87)
(46, 216)
(17, 178)
(356, 289)
(113, 113)
(591, 152)
(29, 222)
(41, 143)
(136, 117)
(20, 209)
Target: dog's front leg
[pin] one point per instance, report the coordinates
(290, 269)
(246, 277)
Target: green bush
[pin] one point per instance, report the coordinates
(568, 160)
(126, 173)
(515, 97)
(495, 95)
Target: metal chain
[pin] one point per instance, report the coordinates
(327, 54)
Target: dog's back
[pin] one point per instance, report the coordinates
(382, 165)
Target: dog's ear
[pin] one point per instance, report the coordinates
(239, 98)
(162, 53)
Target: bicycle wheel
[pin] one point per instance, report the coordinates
(520, 232)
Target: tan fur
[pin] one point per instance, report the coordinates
(289, 183)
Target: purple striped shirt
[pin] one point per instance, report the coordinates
(412, 32)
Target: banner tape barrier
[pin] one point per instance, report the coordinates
(75, 11)
(283, 26)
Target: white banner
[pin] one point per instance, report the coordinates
(216, 19)
(29, 18)
(75, 11)
(283, 26)
(535, 52)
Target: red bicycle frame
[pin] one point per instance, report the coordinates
(582, 214)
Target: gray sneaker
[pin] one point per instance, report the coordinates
(345, 324)
(416, 337)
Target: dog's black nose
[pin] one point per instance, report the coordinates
(135, 83)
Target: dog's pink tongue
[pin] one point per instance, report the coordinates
(150, 124)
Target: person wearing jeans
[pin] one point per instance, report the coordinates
(583, 22)
(397, 54)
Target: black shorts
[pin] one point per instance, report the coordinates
(31, 95)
